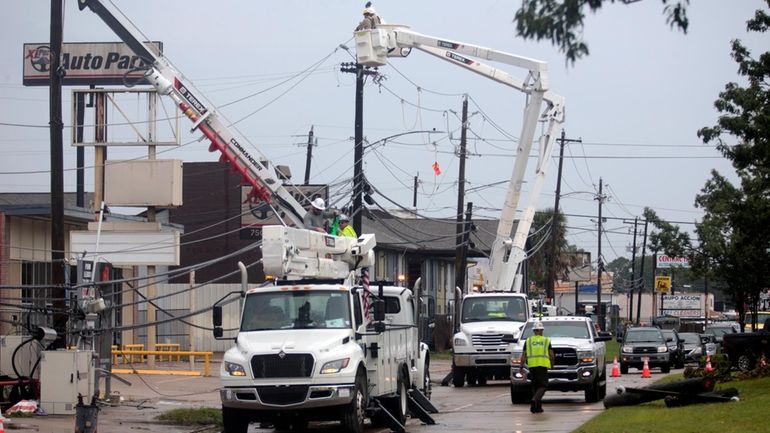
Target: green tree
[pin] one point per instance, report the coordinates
(561, 21)
(541, 241)
(734, 242)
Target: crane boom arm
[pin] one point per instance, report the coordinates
(374, 46)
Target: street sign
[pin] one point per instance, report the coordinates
(662, 284)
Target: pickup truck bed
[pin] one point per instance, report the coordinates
(745, 349)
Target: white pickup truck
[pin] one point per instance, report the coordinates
(580, 358)
(304, 352)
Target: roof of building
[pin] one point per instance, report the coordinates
(437, 235)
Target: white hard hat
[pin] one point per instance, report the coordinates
(344, 217)
(370, 11)
(538, 325)
(318, 203)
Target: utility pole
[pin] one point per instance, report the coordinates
(57, 178)
(309, 156)
(461, 253)
(414, 196)
(633, 273)
(459, 229)
(641, 276)
(551, 258)
(599, 264)
(358, 153)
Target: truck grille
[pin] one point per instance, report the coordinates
(645, 349)
(274, 366)
(565, 356)
(487, 339)
(282, 395)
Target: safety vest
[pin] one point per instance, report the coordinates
(537, 351)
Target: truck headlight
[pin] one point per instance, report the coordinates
(586, 357)
(335, 366)
(459, 341)
(628, 349)
(516, 358)
(662, 349)
(234, 369)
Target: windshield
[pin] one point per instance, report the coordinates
(573, 329)
(720, 331)
(492, 308)
(644, 336)
(296, 310)
(690, 338)
(667, 333)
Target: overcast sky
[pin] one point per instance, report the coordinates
(636, 101)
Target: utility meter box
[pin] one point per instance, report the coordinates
(65, 374)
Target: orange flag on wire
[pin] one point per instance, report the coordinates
(436, 168)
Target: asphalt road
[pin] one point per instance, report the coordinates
(477, 409)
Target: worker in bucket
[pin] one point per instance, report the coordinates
(371, 19)
(317, 217)
(539, 357)
(345, 228)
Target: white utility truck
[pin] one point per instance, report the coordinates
(500, 309)
(314, 346)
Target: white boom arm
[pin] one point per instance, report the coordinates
(373, 47)
(255, 169)
(293, 253)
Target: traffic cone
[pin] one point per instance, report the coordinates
(646, 370)
(615, 368)
(708, 367)
(2, 424)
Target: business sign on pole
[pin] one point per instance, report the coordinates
(665, 262)
(681, 302)
(85, 63)
(662, 284)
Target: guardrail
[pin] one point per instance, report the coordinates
(130, 354)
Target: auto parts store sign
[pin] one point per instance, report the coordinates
(682, 305)
(102, 63)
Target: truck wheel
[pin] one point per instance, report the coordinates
(399, 405)
(603, 387)
(470, 378)
(745, 362)
(593, 391)
(680, 363)
(354, 414)
(458, 377)
(623, 369)
(235, 420)
(481, 379)
(665, 368)
(519, 396)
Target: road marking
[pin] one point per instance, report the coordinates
(174, 380)
(460, 408)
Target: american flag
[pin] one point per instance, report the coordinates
(365, 283)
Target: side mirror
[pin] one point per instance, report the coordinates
(379, 310)
(669, 339)
(216, 315)
(218, 332)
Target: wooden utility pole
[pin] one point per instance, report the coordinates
(309, 156)
(551, 258)
(57, 178)
(459, 229)
(641, 276)
(599, 264)
(633, 273)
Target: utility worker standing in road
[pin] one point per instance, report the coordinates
(538, 356)
(345, 228)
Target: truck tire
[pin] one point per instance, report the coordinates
(458, 377)
(354, 414)
(398, 406)
(235, 420)
(592, 393)
(519, 396)
(665, 368)
(470, 378)
(623, 369)
(481, 379)
(745, 362)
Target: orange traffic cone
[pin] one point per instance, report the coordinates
(615, 368)
(646, 370)
(2, 425)
(708, 367)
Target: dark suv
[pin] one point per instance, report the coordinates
(644, 342)
(675, 347)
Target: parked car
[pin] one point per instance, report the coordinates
(719, 329)
(675, 347)
(644, 342)
(697, 345)
(745, 349)
(709, 343)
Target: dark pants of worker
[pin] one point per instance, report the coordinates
(539, 385)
